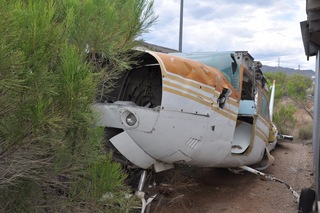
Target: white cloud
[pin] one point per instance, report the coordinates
(268, 29)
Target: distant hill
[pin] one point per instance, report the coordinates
(289, 71)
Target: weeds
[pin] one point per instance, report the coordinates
(284, 119)
(305, 132)
(174, 189)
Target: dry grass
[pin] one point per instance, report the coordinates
(174, 190)
(304, 125)
(305, 132)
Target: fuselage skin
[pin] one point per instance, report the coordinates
(204, 118)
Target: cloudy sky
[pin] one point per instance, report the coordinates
(268, 29)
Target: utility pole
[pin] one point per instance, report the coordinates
(181, 26)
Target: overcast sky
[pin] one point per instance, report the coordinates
(268, 29)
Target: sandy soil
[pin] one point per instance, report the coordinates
(210, 190)
(207, 190)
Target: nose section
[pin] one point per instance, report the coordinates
(143, 84)
(135, 102)
(127, 117)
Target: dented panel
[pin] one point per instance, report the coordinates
(173, 109)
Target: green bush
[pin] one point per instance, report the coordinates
(281, 79)
(51, 155)
(305, 132)
(284, 118)
(296, 87)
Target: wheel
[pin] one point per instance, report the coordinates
(307, 198)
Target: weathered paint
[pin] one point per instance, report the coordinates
(189, 126)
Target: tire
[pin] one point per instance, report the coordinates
(307, 198)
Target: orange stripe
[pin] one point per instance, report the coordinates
(201, 101)
(224, 113)
(198, 86)
(194, 70)
(186, 90)
(193, 84)
(199, 95)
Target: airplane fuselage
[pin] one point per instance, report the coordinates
(173, 109)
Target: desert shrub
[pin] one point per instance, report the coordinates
(51, 155)
(284, 118)
(281, 79)
(296, 87)
(305, 132)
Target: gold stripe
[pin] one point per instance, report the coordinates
(262, 135)
(233, 102)
(198, 85)
(201, 101)
(261, 130)
(264, 121)
(187, 90)
(224, 113)
(230, 111)
(199, 95)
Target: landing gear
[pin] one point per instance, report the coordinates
(141, 194)
(306, 201)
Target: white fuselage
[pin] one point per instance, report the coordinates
(188, 127)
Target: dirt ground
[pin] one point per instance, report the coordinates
(208, 190)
